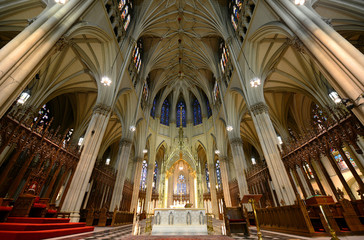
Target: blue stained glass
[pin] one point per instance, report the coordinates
(155, 175)
(152, 111)
(178, 120)
(218, 174)
(209, 112)
(143, 180)
(165, 113)
(207, 177)
(197, 118)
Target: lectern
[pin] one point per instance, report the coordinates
(319, 200)
(252, 199)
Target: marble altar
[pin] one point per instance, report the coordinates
(179, 221)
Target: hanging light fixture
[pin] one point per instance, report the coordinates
(335, 97)
(106, 81)
(24, 97)
(229, 128)
(61, 1)
(299, 2)
(255, 82)
(132, 128)
(217, 151)
(145, 151)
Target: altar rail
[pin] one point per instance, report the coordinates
(121, 218)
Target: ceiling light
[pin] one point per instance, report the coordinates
(61, 1)
(299, 2)
(217, 151)
(132, 128)
(145, 150)
(255, 82)
(181, 168)
(335, 97)
(106, 81)
(23, 97)
(229, 128)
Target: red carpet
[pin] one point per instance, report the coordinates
(39, 228)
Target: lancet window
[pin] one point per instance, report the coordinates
(165, 113)
(235, 6)
(207, 177)
(339, 159)
(152, 111)
(209, 112)
(197, 117)
(136, 56)
(44, 114)
(125, 7)
(155, 174)
(143, 180)
(318, 117)
(218, 174)
(308, 171)
(178, 117)
(225, 64)
(181, 185)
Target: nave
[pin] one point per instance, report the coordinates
(177, 112)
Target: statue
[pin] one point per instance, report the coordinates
(340, 194)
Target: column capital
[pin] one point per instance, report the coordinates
(138, 159)
(125, 142)
(61, 44)
(102, 109)
(236, 141)
(296, 44)
(223, 159)
(259, 108)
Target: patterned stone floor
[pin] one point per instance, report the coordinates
(126, 233)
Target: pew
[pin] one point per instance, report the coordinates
(235, 220)
(22, 206)
(5, 208)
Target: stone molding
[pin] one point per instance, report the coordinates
(259, 108)
(296, 44)
(102, 109)
(236, 141)
(223, 159)
(137, 159)
(125, 142)
(61, 44)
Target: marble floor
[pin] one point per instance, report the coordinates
(130, 232)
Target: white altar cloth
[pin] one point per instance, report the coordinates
(179, 221)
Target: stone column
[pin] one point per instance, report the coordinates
(136, 185)
(240, 164)
(150, 176)
(225, 180)
(268, 140)
(338, 58)
(122, 167)
(212, 177)
(92, 142)
(27, 50)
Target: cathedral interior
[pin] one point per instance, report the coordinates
(113, 109)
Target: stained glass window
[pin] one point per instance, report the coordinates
(136, 56)
(318, 116)
(178, 117)
(165, 113)
(207, 177)
(155, 174)
(44, 114)
(308, 170)
(209, 112)
(181, 185)
(152, 111)
(216, 92)
(218, 174)
(125, 7)
(339, 159)
(234, 7)
(197, 117)
(143, 180)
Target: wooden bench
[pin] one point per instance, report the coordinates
(235, 220)
(5, 208)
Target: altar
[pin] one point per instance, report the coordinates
(179, 221)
